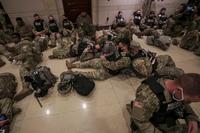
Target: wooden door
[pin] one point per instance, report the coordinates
(73, 8)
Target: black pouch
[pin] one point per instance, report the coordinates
(83, 85)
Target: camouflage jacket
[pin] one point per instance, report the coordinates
(146, 103)
(24, 31)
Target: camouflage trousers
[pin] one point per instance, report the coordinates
(85, 56)
(41, 43)
(124, 62)
(61, 53)
(163, 42)
(66, 32)
(179, 128)
(66, 41)
(100, 72)
(55, 39)
(101, 67)
(190, 40)
(6, 107)
(165, 66)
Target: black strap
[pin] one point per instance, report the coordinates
(155, 87)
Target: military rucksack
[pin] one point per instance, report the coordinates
(41, 80)
(190, 40)
(8, 85)
(83, 85)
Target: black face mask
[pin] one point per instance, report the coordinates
(51, 21)
(38, 20)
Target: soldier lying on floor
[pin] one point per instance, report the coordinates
(8, 87)
(102, 71)
(28, 59)
(146, 63)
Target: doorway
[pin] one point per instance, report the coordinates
(73, 8)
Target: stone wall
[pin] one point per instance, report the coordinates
(103, 11)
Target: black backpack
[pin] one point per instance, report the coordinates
(83, 85)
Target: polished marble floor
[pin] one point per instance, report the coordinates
(102, 112)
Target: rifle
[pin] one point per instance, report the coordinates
(38, 100)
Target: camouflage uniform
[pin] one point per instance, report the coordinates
(65, 50)
(5, 52)
(62, 53)
(151, 32)
(142, 66)
(4, 38)
(30, 58)
(90, 52)
(149, 103)
(42, 39)
(83, 20)
(165, 66)
(162, 65)
(173, 29)
(102, 67)
(88, 30)
(6, 107)
(8, 85)
(24, 31)
(190, 40)
(54, 34)
(68, 28)
(162, 42)
(124, 32)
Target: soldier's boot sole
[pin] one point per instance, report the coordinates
(22, 94)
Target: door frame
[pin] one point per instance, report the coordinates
(91, 11)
